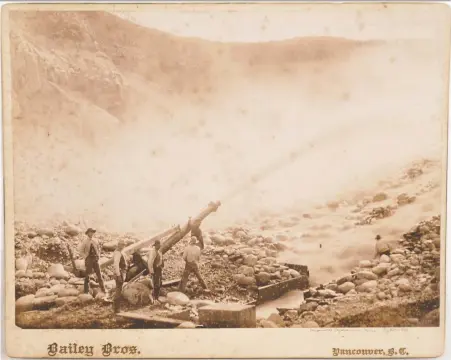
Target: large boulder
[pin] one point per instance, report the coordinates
(22, 264)
(137, 294)
(46, 232)
(65, 300)
(72, 230)
(20, 274)
(38, 275)
(250, 260)
(394, 272)
(68, 292)
(404, 285)
(294, 273)
(367, 286)
(24, 303)
(44, 303)
(365, 264)
(381, 269)
(263, 278)
(246, 280)
(43, 292)
(57, 288)
(368, 275)
(346, 287)
(177, 298)
(85, 298)
(57, 271)
(308, 306)
(110, 246)
(344, 279)
(246, 270)
(217, 239)
(397, 258)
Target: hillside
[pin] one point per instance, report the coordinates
(77, 84)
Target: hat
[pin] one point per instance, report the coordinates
(90, 230)
(378, 237)
(157, 242)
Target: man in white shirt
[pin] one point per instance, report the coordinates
(155, 265)
(191, 256)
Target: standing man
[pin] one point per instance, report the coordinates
(155, 265)
(120, 269)
(90, 251)
(382, 247)
(192, 257)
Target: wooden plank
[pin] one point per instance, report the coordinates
(140, 244)
(274, 291)
(172, 282)
(154, 319)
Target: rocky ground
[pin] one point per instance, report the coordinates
(397, 290)
(234, 263)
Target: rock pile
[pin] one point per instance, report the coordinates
(411, 271)
(251, 257)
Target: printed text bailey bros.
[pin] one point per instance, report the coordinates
(106, 350)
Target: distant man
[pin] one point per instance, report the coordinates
(155, 265)
(120, 270)
(90, 251)
(382, 247)
(192, 257)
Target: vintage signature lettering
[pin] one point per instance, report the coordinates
(368, 352)
(69, 349)
(109, 349)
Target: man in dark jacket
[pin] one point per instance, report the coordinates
(90, 251)
(155, 265)
(120, 267)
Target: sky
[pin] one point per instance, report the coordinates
(247, 23)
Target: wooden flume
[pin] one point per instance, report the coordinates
(172, 235)
(140, 244)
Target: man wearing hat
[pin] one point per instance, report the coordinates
(90, 251)
(191, 256)
(382, 247)
(155, 265)
(120, 269)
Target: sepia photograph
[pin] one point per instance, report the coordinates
(212, 166)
